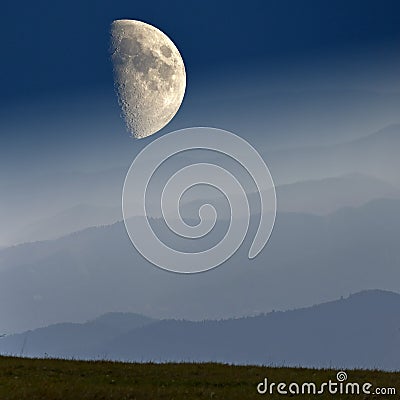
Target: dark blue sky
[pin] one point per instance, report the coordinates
(278, 72)
(51, 46)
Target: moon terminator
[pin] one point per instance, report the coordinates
(150, 76)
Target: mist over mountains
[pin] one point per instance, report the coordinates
(336, 233)
(316, 180)
(374, 155)
(360, 331)
(318, 96)
(314, 258)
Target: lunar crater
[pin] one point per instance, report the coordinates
(150, 76)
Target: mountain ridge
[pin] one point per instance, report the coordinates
(330, 333)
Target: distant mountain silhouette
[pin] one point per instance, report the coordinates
(374, 155)
(73, 339)
(71, 220)
(319, 196)
(362, 330)
(311, 258)
(328, 195)
(317, 180)
(59, 203)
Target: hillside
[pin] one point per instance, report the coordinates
(27, 379)
(336, 334)
(314, 259)
(72, 339)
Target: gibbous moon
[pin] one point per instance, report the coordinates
(149, 76)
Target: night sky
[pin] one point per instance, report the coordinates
(279, 73)
(63, 46)
(313, 85)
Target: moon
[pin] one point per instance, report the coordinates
(149, 75)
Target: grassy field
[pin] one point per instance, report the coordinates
(22, 379)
